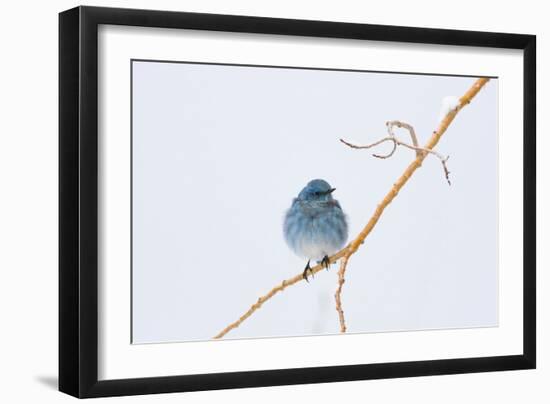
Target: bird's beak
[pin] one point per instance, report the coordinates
(332, 190)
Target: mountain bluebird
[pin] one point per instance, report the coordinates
(315, 226)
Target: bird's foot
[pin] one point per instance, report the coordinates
(308, 268)
(326, 262)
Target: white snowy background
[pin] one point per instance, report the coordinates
(220, 151)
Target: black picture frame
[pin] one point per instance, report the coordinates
(78, 201)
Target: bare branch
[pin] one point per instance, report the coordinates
(399, 124)
(354, 245)
(338, 294)
(396, 142)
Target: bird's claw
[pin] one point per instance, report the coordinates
(326, 262)
(308, 268)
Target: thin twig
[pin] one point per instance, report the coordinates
(390, 125)
(396, 142)
(353, 246)
(338, 294)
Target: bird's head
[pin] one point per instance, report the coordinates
(317, 190)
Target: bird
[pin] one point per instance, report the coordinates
(315, 226)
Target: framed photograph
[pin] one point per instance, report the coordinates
(250, 201)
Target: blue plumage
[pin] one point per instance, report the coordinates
(315, 226)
